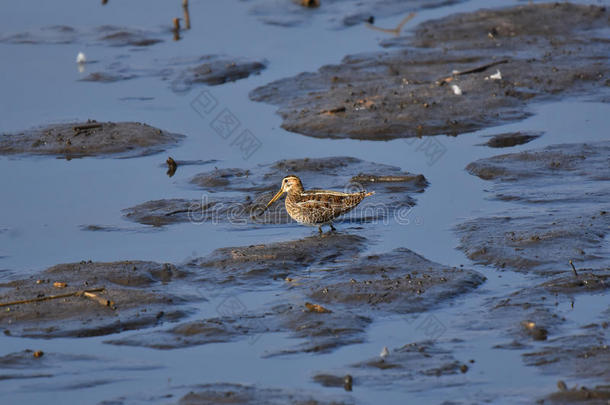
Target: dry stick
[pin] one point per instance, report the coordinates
(573, 268)
(395, 31)
(187, 16)
(102, 301)
(176, 29)
(473, 70)
(50, 297)
(84, 127)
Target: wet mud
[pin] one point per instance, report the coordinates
(238, 196)
(283, 265)
(559, 197)
(182, 74)
(315, 307)
(529, 316)
(501, 60)
(575, 356)
(510, 139)
(399, 281)
(90, 138)
(267, 263)
(112, 228)
(90, 299)
(213, 70)
(244, 394)
(325, 294)
(338, 14)
(578, 395)
(418, 366)
(44, 366)
(105, 77)
(555, 226)
(109, 35)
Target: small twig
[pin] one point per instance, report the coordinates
(573, 268)
(102, 301)
(333, 110)
(187, 16)
(472, 70)
(85, 127)
(169, 214)
(50, 297)
(394, 31)
(176, 29)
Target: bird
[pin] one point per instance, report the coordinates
(315, 207)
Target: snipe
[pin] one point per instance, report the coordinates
(316, 207)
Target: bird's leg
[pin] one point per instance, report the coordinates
(332, 228)
(320, 229)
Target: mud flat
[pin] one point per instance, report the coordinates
(244, 394)
(417, 365)
(212, 70)
(338, 14)
(558, 210)
(90, 299)
(238, 196)
(110, 35)
(510, 139)
(555, 227)
(89, 138)
(500, 60)
(399, 281)
(313, 304)
(44, 366)
(576, 352)
(182, 73)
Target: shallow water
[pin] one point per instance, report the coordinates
(47, 200)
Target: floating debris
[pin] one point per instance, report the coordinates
(573, 268)
(456, 89)
(171, 166)
(317, 308)
(395, 31)
(310, 3)
(187, 16)
(81, 58)
(348, 383)
(495, 76)
(535, 331)
(476, 69)
(176, 29)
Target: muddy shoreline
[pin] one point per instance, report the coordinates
(90, 138)
(265, 311)
(502, 60)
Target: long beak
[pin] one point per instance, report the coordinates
(275, 197)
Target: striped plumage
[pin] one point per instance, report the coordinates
(316, 207)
